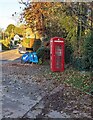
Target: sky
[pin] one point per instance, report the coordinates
(7, 8)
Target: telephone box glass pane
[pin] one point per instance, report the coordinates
(58, 53)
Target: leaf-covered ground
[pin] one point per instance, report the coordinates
(66, 95)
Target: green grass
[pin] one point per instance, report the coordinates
(77, 79)
(80, 81)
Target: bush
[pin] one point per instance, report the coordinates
(68, 53)
(88, 52)
(78, 63)
(37, 44)
(85, 60)
(43, 53)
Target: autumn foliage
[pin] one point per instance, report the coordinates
(38, 15)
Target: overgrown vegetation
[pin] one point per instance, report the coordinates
(88, 52)
(72, 77)
(43, 54)
(37, 44)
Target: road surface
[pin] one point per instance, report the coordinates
(10, 55)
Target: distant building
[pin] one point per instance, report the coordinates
(16, 39)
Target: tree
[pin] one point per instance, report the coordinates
(37, 15)
(19, 30)
(10, 30)
(13, 30)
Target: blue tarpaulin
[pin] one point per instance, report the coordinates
(30, 57)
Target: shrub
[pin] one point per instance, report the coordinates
(78, 63)
(37, 44)
(43, 53)
(85, 59)
(68, 53)
(88, 52)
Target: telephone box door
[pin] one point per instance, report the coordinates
(57, 54)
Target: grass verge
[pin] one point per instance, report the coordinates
(81, 80)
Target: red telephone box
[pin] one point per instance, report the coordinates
(57, 54)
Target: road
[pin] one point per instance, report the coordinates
(10, 55)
